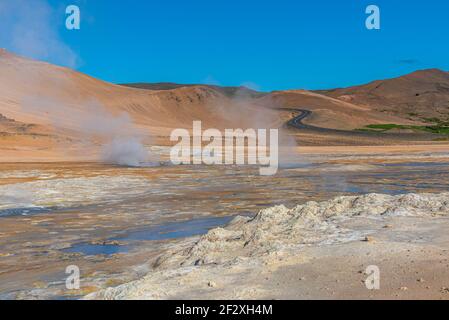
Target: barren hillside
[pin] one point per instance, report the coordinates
(65, 108)
(328, 112)
(420, 95)
(51, 112)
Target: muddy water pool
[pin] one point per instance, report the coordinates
(111, 221)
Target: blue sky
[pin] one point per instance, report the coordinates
(269, 45)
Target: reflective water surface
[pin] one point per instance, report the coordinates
(110, 221)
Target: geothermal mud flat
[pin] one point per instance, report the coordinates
(143, 231)
(310, 251)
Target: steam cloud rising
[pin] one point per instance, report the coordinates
(120, 139)
(125, 152)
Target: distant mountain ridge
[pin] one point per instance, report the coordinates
(228, 91)
(418, 95)
(46, 110)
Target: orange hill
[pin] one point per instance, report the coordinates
(51, 112)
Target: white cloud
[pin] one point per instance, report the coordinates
(30, 28)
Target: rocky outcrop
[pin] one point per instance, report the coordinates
(279, 230)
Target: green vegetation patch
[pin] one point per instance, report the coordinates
(436, 129)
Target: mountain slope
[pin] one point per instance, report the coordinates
(419, 95)
(328, 112)
(37, 92)
(231, 92)
(50, 112)
(67, 107)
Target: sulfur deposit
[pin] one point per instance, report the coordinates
(276, 232)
